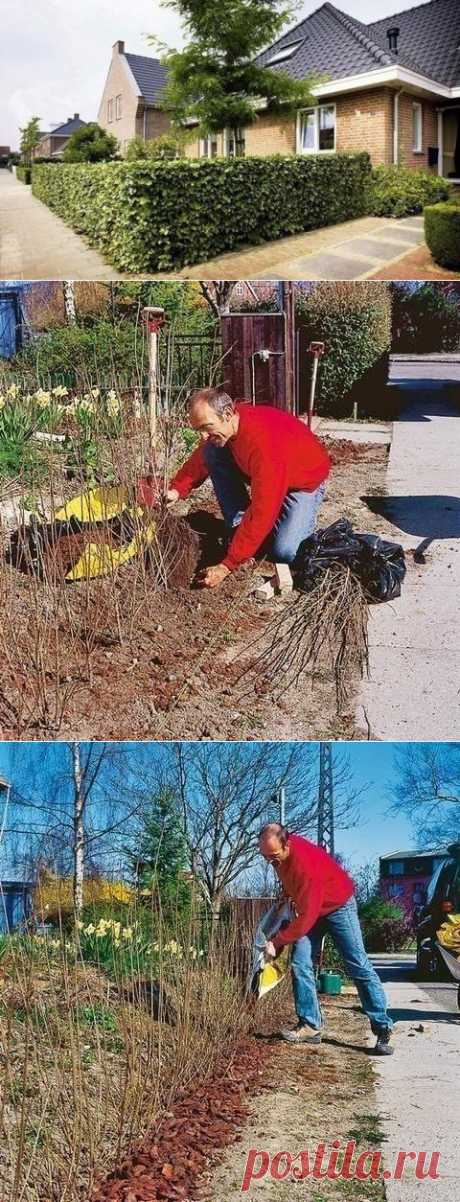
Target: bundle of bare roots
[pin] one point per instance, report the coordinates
(319, 632)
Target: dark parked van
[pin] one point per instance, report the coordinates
(442, 898)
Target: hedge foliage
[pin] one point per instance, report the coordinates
(442, 234)
(157, 216)
(400, 191)
(24, 174)
(354, 322)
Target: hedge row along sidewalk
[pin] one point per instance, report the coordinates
(150, 217)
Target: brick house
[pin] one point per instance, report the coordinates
(404, 876)
(52, 144)
(130, 101)
(391, 87)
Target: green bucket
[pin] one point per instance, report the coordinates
(330, 982)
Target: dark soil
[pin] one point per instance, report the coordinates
(125, 658)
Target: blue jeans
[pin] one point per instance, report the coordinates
(344, 927)
(297, 516)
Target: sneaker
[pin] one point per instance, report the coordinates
(302, 1033)
(382, 1047)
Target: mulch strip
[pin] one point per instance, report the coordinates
(171, 1159)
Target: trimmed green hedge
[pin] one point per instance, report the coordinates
(354, 322)
(24, 174)
(399, 191)
(442, 234)
(154, 216)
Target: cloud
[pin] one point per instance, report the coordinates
(54, 57)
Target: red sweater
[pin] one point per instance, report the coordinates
(316, 885)
(277, 453)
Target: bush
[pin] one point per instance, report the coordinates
(385, 927)
(163, 148)
(354, 322)
(24, 174)
(90, 144)
(442, 234)
(425, 319)
(159, 216)
(399, 191)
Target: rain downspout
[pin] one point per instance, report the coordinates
(396, 126)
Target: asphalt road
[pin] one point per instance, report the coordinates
(390, 969)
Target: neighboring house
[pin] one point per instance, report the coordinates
(404, 876)
(52, 144)
(16, 899)
(391, 87)
(5, 152)
(130, 105)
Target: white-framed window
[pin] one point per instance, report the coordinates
(209, 147)
(118, 108)
(417, 127)
(110, 110)
(234, 143)
(316, 129)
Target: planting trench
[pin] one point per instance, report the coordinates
(125, 659)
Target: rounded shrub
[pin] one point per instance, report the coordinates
(354, 322)
(400, 191)
(442, 234)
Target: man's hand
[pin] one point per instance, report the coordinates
(270, 950)
(171, 496)
(211, 577)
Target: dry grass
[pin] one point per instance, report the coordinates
(88, 1064)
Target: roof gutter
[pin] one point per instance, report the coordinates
(387, 76)
(396, 126)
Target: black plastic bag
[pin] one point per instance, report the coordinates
(378, 564)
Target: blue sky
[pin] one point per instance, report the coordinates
(372, 765)
(54, 56)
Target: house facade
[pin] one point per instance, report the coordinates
(404, 877)
(130, 104)
(52, 144)
(391, 87)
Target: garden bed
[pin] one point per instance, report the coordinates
(126, 659)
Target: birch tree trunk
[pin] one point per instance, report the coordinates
(79, 831)
(69, 302)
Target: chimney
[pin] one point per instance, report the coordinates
(76, 116)
(393, 35)
(119, 48)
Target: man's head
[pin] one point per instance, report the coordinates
(274, 843)
(212, 413)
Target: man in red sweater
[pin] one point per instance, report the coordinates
(322, 899)
(285, 465)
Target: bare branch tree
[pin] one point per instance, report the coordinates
(428, 790)
(228, 791)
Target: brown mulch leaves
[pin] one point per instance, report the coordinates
(171, 1159)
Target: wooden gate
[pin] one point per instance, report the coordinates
(258, 363)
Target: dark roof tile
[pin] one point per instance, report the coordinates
(335, 45)
(150, 76)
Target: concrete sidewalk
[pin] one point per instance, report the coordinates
(37, 245)
(353, 250)
(414, 686)
(417, 1090)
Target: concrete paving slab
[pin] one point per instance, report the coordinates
(333, 265)
(375, 248)
(359, 432)
(414, 643)
(417, 1092)
(405, 234)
